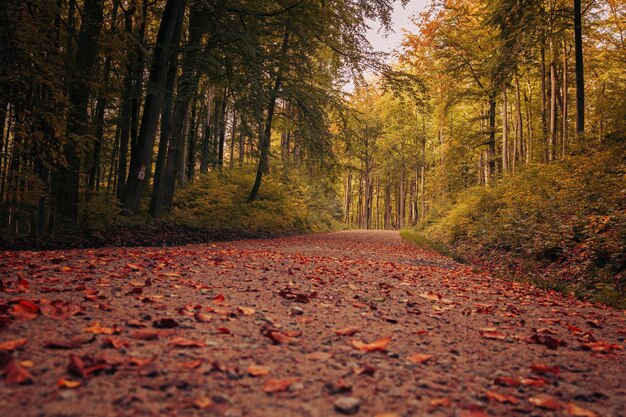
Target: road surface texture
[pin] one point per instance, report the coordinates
(350, 323)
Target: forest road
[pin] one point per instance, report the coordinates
(354, 322)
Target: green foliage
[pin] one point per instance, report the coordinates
(568, 217)
(289, 202)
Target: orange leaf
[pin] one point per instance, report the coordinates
(202, 403)
(186, 343)
(501, 398)
(15, 374)
(96, 328)
(546, 401)
(13, 344)
(491, 333)
(278, 385)
(25, 309)
(507, 381)
(419, 358)
(68, 383)
(202, 317)
(574, 410)
(533, 382)
(440, 402)
(379, 345)
(348, 331)
(542, 368)
(258, 370)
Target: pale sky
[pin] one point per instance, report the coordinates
(400, 20)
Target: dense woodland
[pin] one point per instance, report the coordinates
(499, 125)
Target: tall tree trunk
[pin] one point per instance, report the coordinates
(94, 169)
(491, 149)
(505, 133)
(580, 77)
(565, 115)
(167, 40)
(544, 105)
(67, 176)
(191, 144)
(233, 130)
(222, 130)
(163, 194)
(553, 109)
(208, 127)
(264, 142)
(519, 139)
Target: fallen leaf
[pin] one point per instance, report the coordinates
(547, 402)
(13, 344)
(440, 402)
(258, 370)
(202, 403)
(574, 410)
(542, 368)
(491, 333)
(15, 374)
(201, 317)
(97, 328)
(348, 331)
(246, 311)
(419, 358)
(278, 385)
(60, 310)
(377, 346)
(185, 343)
(501, 398)
(68, 383)
(507, 381)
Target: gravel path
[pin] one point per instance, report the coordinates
(355, 322)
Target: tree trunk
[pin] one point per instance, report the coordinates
(67, 176)
(580, 78)
(264, 142)
(519, 138)
(553, 111)
(505, 133)
(163, 194)
(167, 40)
(565, 86)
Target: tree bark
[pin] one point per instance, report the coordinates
(67, 176)
(580, 77)
(167, 40)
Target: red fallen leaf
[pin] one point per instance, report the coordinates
(201, 317)
(533, 382)
(15, 374)
(219, 299)
(192, 364)
(13, 344)
(348, 331)
(105, 307)
(134, 267)
(501, 398)
(440, 402)
(542, 368)
(72, 343)
(278, 385)
(547, 402)
(202, 403)
(421, 332)
(507, 381)
(86, 365)
(139, 362)
(223, 330)
(546, 340)
(601, 347)
(61, 310)
(419, 358)
(546, 330)
(115, 342)
(574, 329)
(258, 370)
(574, 410)
(68, 383)
(25, 309)
(186, 343)
(97, 328)
(304, 320)
(377, 346)
(492, 333)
